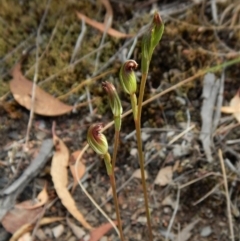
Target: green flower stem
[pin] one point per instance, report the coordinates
(141, 93)
(137, 120)
(140, 152)
(116, 144)
(134, 106)
(144, 186)
(118, 122)
(107, 160)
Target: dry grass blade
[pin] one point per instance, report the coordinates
(60, 179)
(44, 104)
(101, 27)
(80, 168)
(227, 195)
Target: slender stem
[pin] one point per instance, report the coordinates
(113, 184)
(133, 99)
(144, 186)
(118, 123)
(116, 143)
(141, 93)
(137, 109)
(140, 152)
(107, 160)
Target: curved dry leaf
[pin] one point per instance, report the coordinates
(234, 107)
(59, 175)
(81, 168)
(41, 199)
(29, 226)
(109, 12)
(98, 232)
(164, 176)
(17, 217)
(101, 27)
(44, 103)
(43, 196)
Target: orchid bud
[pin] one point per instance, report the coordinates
(97, 140)
(127, 77)
(157, 30)
(150, 40)
(113, 98)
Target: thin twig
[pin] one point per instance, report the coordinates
(30, 121)
(181, 134)
(89, 100)
(207, 194)
(214, 11)
(79, 41)
(107, 26)
(174, 215)
(226, 194)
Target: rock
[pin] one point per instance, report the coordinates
(58, 231)
(206, 231)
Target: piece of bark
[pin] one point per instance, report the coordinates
(211, 87)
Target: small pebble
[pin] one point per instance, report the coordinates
(145, 136)
(142, 220)
(134, 152)
(58, 231)
(167, 210)
(206, 231)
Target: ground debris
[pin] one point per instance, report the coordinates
(9, 195)
(211, 88)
